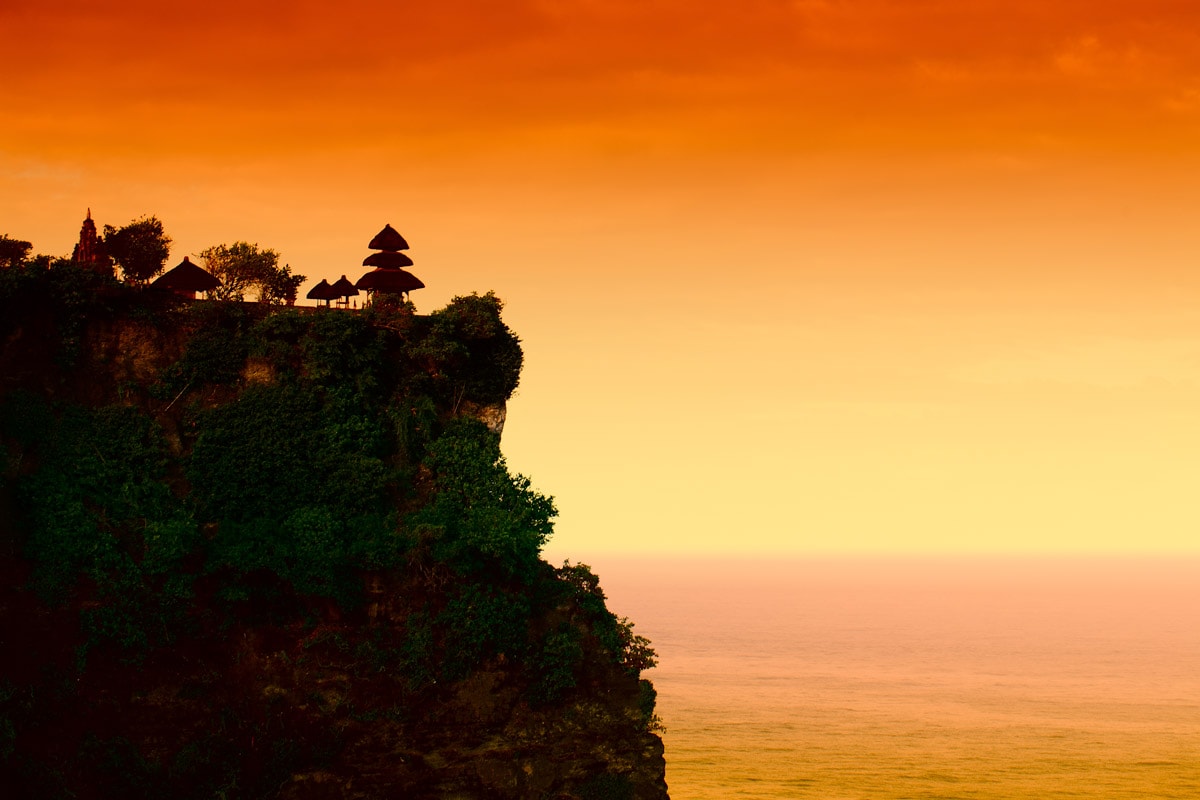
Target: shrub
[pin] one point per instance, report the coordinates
(631, 651)
(607, 787)
(647, 701)
(470, 353)
(480, 623)
(343, 351)
(486, 516)
(555, 664)
(615, 634)
(25, 418)
(98, 503)
(276, 449)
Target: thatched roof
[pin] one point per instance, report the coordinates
(389, 281)
(322, 291)
(187, 277)
(388, 239)
(342, 287)
(388, 258)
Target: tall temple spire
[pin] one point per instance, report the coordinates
(89, 252)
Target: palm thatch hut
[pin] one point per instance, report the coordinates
(186, 279)
(322, 292)
(342, 288)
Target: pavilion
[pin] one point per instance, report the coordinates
(322, 292)
(389, 275)
(186, 279)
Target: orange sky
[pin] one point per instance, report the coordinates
(811, 275)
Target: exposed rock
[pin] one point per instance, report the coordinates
(493, 415)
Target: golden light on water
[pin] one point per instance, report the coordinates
(882, 678)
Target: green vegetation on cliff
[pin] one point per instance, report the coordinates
(292, 528)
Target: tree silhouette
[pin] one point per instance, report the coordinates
(242, 266)
(13, 251)
(140, 248)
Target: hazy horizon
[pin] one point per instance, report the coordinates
(981, 680)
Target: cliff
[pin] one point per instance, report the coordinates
(260, 552)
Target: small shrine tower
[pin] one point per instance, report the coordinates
(389, 276)
(89, 251)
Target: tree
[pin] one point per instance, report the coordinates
(484, 513)
(13, 251)
(280, 286)
(470, 352)
(242, 266)
(140, 248)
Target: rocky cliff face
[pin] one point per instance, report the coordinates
(260, 553)
(326, 705)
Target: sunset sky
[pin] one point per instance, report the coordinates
(863, 276)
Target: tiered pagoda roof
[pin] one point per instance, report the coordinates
(389, 275)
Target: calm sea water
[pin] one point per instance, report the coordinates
(922, 679)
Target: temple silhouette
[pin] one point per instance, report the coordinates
(388, 278)
(389, 275)
(89, 250)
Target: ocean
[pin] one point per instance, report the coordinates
(922, 678)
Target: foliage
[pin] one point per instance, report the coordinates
(276, 448)
(391, 310)
(310, 549)
(470, 353)
(344, 352)
(98, 506)
(243, 267)
(615, 634)
(53, 295)
(484, 515)
(585, 586)
(415, 656)
(275, 339)
(25, 417)
(8, 729)
(280, 286)
(13, 251)
(140, 248)
(214, 354)
(482, 622)
(297, 482)
(647, 701)
(414, 424)
(556, 663)
(607, 787)
(630, 650)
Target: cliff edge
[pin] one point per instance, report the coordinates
(258, 552)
